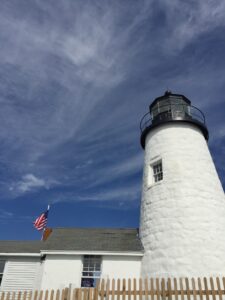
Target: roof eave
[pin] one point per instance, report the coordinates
(72, 252)
(27, 254)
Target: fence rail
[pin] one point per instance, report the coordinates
(142, 289)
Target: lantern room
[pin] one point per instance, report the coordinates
(171, 108)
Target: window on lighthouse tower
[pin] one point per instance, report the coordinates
(155, 172)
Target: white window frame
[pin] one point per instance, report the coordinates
(151, 176)
(157, 171)
(91, 270)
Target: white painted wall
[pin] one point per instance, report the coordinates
(121, 267)
(182, 221)
(61, 270)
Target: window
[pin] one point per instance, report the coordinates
(157, 171)
(2, 265)
(154, 172)
(91, 270)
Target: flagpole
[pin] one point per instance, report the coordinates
(45, 226)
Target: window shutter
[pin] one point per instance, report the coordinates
(20, 275)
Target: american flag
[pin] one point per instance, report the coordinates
(41, 222)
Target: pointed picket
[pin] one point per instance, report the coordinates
(152, 290)
(169, 288)
(194, 289)
(175, 288)
(140, 289)
(129, 289)
(220, 293)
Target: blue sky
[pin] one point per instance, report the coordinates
(75, 79)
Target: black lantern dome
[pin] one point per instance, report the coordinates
(171, 108)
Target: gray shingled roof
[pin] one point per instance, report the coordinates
(80, 239)
(20, 246)
(94, 239)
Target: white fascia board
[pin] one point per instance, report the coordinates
(20, 254)
(62, 252)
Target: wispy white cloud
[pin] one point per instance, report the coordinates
(127, 193)
(64, 78)
(132, 164)
(46, 72)
(218, 135)
(189, 19)
(30, 182)
(118, 170)
(91, 49)
(4, 214)
(124, 195)
(7, 217)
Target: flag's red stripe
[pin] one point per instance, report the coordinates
(41, 222)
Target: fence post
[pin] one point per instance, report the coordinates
(85, 293)
(52, 295)
(113, 289)
(35, 295)
(75, 293)
(102, 289)
(107, 289)
(57, 295)
(129, 289)
(118, 289)
(146, 288)
(140, 289)
(187, 289)
(90, 293)
(70, 292)
(96, 290)
(8, 296)
(2, 295)
(212, 288)
(169, 288)
(163, 289)
(206, 288)
(175, 288)
(194, 289)
(181, 289)
(157, 289)
(223, 279)
(219, 288)
(40, 295)
(135, 289)
(66, 294)
(29, 296)
(200, 289)
(152, 289)
(124, 289)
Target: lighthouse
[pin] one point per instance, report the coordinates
(182, 222)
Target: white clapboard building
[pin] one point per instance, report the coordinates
(182, 218)
(77, 256)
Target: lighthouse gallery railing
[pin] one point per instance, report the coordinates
(173, 112)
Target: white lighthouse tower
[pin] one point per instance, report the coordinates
(182, 223)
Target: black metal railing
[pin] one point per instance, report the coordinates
(172, 112)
